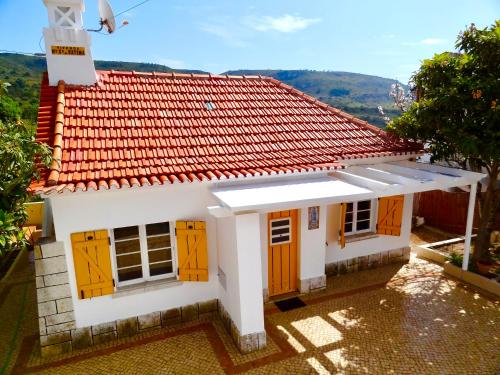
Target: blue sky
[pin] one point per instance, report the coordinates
(384, 38)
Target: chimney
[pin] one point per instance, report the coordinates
(67, 44)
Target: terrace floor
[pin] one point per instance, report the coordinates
(401, 319)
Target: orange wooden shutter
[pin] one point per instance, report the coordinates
(94, 276)
(390, 215)
(192, 250)
(343, 210)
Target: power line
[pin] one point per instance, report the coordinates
(133, 7)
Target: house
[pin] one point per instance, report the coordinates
(174, 195)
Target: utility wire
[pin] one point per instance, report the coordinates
(133, 7)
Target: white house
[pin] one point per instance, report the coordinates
(174, 195)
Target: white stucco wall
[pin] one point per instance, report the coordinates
(369, 246)
(312, 245)
(105, 210)
(229, 288)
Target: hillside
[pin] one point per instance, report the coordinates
(24, 73)
(357, 94)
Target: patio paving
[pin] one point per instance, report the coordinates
(401, 319)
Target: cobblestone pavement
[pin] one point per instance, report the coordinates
(399, 319)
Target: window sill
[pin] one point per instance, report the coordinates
(360, 237)
(146, 286)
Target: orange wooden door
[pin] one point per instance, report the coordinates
(282, 252)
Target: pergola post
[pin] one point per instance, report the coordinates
(468, 227)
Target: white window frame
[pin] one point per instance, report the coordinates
(278, 235)
(143, 243)
(373, 212)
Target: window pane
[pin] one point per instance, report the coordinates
(362, 225)
(364, 215)
(127, 246)
(158, 242)
(128, 260)
(280, 239)
(348, 217)
(364, 205)
(348, 227)
(130, 274)
(158, 228)
(280, 223)
(159, 255)
(126, 232)
(349, 207)
(281, 230)
(160, 268)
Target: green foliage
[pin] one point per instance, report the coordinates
(456, 259)
(9, 109)
(457, 114)
(24, 73)
(19, 153)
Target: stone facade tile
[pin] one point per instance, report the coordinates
(57, 349)
(126, 327)
(39, 282)
(171, 316)
(53, 292)
(56, 338)
(42, 327)
(189, 312)
(104, 337)
(59, 318)
(47, 308)
(207, 306)
(81, 338)
(103, 328)
(50, 266)
(147, 321)
(56, 279)
(61, 327)
(64, 305)
(52, 249)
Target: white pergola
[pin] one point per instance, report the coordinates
(357, 182)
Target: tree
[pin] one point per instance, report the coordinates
(20, 156)
(457, 114)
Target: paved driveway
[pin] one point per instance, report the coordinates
(397, 319)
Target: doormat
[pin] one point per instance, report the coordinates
(289, 304)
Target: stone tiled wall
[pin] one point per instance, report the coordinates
(313, 284)
(245, 343)
(401, 255)
(55, 306)
(58, 331)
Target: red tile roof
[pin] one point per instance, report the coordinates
(134, 129)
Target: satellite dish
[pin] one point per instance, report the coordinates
(107, 16)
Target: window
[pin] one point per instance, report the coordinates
(358, 217)
(143, 252)
(281, 231)
(210, 105)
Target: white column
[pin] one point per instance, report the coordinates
(468, 227)
(249, 273)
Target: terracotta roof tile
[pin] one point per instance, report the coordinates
(139, 129)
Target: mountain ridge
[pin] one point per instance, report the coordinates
(355, 93)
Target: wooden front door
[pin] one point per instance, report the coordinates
(282, 252)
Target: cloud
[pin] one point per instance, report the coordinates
(284, 24)
(427, 42)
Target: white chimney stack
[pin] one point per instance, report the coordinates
(67, 44)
